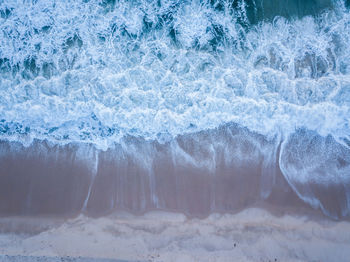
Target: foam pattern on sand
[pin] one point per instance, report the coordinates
(236, 90)
(221, 170)
(252, 235)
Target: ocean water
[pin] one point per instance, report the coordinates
(98, 73)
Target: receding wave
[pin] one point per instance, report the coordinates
(88, 77)
(220, 170)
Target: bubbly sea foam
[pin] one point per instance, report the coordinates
(97, 71)
(190, 106)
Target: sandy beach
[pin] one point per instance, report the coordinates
(174, 130)
(251, 235)
(18, 258)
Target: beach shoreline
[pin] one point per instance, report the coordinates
(253, 234)
(223, 170)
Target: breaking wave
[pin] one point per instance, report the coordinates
(95, 71)
(99, 72)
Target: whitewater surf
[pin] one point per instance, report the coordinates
(153, 104)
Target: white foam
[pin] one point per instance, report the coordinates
(100, 74)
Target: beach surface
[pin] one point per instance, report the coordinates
(254, 234)
(174, 130)
(5, 258)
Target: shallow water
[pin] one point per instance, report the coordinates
(222, 170)
(192, 106)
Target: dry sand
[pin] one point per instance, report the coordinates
(6, 258)
(251, 235)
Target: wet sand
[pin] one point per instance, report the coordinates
(223, 170)
(225, 194)
(251, 235)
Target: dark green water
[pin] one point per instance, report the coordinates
(258, 10)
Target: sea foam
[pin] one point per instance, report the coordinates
(96, 71)
(126, 99)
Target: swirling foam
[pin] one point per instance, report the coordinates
(96, 71)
